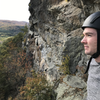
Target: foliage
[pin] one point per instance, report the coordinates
(10, 28)
(12, 73)
(16, 41)
(65, 65)
(3, 86)
(13, 66)
(9, 31)
(37, 88)
(25, 29)
(16, 68)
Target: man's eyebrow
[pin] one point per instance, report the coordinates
(88, 33)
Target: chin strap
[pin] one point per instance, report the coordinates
(88, 65)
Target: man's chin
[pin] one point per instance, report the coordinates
(87, 53)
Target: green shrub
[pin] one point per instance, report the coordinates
(13, 66)
(65, 65)
(37, 88)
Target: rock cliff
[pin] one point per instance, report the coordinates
(54, 32)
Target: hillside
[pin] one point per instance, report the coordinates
(10, 28)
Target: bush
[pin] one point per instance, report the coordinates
(13, 66)
(37, 88)
(65, 65)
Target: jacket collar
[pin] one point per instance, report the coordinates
(93, 62)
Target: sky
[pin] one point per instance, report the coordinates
(16, 10)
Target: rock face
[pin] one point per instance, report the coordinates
(54, 32)
(55, 28)
(72, 88)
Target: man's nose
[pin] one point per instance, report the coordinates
(83, 40)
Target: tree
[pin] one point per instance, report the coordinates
(13, 66)
(37, 88)
(25, 29)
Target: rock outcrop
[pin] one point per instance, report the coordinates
(54, 32)
(72, 88)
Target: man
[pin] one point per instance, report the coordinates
(91, 41)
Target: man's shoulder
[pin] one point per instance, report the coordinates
(94, 63)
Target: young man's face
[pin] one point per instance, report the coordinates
(90, 41)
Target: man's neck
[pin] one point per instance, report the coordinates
(97, 59)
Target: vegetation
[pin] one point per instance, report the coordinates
(14, 65)
(37, 88)
(10, 28)
(65, 65)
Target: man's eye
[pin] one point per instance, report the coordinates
(89, 35)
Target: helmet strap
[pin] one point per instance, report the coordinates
(88, 65)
